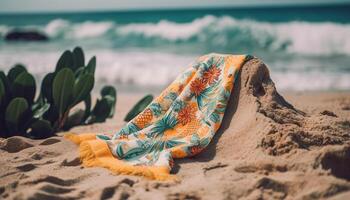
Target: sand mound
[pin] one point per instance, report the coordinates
(280, 128)
(282, 151)
(265, 149)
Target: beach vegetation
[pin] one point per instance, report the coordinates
(52, 110)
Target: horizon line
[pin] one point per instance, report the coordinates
(291, 5)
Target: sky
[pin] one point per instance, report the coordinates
(14, 6)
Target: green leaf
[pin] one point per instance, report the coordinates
(139, 107)
(204, 142)
(82, 88)
(41, 129)
(65, 61)
(74, 119)
(104, 108)
(110, 93)
(52, 114)
(206, 122)
(119, 150)
(170, 120)
(14, 113)
(80, 71)
(108, 90)
(91, 66)
(63, 84)
(15, 71)
(5, 95)
(133, 153)
(40, 110)
(167, 122)
(200, 102)
(46, 87)
(157, 109)
(5, 81)
(78, 58)
(172, 143)
(103, 137)
(158, 145)
(177, 105)
(87, 103)
(2, 93)
(128, 129)
(101, 111)
(89, 69)
(24, 86)
(214, 117)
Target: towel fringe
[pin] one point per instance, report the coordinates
(96, 153)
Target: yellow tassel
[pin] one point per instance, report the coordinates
(96, 153)
(77, 139)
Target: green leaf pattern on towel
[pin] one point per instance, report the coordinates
(183, 119)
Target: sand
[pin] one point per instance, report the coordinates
(269, 147)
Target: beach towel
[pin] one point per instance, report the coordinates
(179, 123)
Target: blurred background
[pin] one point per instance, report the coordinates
(143, 45)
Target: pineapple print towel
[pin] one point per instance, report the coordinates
(179, 123)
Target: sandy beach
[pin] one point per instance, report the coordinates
(269, 147)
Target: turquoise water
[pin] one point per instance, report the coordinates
(306, 48)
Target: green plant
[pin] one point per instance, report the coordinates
(69, 85)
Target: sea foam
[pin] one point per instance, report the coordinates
(301, 55)
(155, 70)
(224, 33)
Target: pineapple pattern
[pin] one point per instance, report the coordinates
(181, 121)
(144, 118)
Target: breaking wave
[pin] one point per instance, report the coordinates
(222, 33)
(301, 55)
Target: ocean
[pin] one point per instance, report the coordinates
(306, 48)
